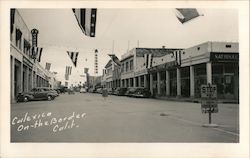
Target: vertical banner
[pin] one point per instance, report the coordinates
(34, 33)
(96, 62)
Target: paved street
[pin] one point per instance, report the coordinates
(89, 118)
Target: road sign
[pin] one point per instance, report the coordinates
(208, 91)
(208, 105)
(209, 100)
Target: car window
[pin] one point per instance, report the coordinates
(33, 90)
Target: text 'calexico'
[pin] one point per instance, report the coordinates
(29, 121)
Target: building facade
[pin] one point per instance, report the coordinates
(136, 63)
(182, 73)
(26, 73)
(112, 75)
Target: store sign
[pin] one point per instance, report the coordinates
(224, 57)
(34, 33)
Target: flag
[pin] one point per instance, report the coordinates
(148, 60)
(12, 19)
(115, 59)
(66, 77)
(47, 66)
(186, 14)
(86, 19)
(37, 53)
(73, 56)
(68, 70)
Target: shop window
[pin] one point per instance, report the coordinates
(173, 82)
(200, 78)
(217, 68)
(185, 81)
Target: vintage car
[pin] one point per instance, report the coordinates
(39, 93)
(120, 91)
(141, 93)
(130, 91)
(83, 90)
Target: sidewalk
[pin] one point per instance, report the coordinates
(195, 100)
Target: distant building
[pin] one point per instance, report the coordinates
(111, 75)
(136, 63)
(26, 73)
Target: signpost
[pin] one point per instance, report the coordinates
(209, 102)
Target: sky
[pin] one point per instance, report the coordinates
(119, 30)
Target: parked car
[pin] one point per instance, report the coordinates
(120, 91)
(99, 90)
(130, 91)
(40, 93)
(110, 91)
(83, 90)
(141, 93)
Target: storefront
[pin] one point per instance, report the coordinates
(225, 74)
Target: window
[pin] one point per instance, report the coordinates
(228, 46)
(126, 66)
(131, 64)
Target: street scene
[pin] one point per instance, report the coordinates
(95, 75)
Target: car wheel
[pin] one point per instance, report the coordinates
(49, 98)
(25, 99)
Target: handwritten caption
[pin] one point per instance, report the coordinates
(33, 121)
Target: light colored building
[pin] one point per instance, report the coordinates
(182, 73)
(136, 63)
(111, 75)
(26, 73)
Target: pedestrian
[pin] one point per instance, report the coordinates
(104, 93)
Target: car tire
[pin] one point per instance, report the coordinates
(25, 99)
(49, 98)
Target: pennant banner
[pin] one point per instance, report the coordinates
(186, 14)
(47, 66)
(73, 56)
(37, 53)
(148, 60)
(115, 59)
(66, 77)
(12, 19)
(68, 70)
(86, 19)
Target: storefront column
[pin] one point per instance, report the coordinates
(178, 82)
(145, 81)
(125, 83)
(12, 79)
(134, 82)
(139, 81)
(167, 83)
(158, 83)
(191, 81)
(21, 79)
(151, 83)
(209, 73)
(129, 82)
(121, 85)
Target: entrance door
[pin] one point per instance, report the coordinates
(229, 86)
